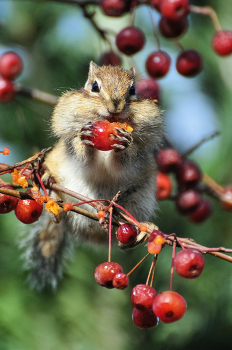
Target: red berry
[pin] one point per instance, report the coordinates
(126, 233)
(148, 88)
(144, 319)
(189, 263)
(202, 212)
(169, 306)
(168, 160)
(175, 9)
(130, 40)
(189, 63)
(222, 42)
(142, 297)
(120, 281)
(7, 203)
(103, 138)
(163, 186)
(7, 90)
(156, 4)
(11, 65)
(105, 272)
(188, 174)
(172, 29)
(110, 58)
(114, 8)
(28, 211)
(187, 201)
(158, 64)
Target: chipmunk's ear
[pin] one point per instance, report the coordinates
(92, 69)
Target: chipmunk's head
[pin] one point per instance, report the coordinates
(113, 88)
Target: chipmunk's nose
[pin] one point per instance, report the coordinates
(116, 106)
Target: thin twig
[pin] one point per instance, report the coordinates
(203, 140)
(207, 10)
(36, 94)
(37, 155)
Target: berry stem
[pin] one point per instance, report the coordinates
(154, 27)
(3, 182)
(209, 11)
(42, 185)
(152, 270)
(172, 267)
(213, 185)
(110, 236)
(23, 169)
(119, 206)
(137, 264)
(90, 201)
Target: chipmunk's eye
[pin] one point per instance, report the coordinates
(132, 90)
(95, 87)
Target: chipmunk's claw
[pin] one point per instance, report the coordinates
(124, 137)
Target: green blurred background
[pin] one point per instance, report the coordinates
(57, 44)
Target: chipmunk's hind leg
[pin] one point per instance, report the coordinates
(45, 250)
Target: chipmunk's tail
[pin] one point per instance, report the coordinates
(45, 249)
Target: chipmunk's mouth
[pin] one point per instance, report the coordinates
(116, 117)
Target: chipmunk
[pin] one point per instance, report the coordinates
(109, 94)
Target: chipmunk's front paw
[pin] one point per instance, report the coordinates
(123, 139)
(87, 134)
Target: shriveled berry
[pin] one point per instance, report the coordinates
(130, 40)
(172, 29)
(155, 242)
(7, 202)
(28, 211)
(189, 63)
(148, 88)
(144, 319)
(105, 272)
(126, 233)
(142, 297)
(202, 212)
(163, 186)
(187, 201)
(175, 9)
(169, 306)
(120, 281)
(168, 160)
(114, 8)
(158, 64)
(188, 174)
(189, 263)
(11, 65)
(110, 59)
(222, 42)
(7, 90)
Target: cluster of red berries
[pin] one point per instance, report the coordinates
(172, 24)
(10, 67)
(188, 176)
(150, 307)
(26, 210)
